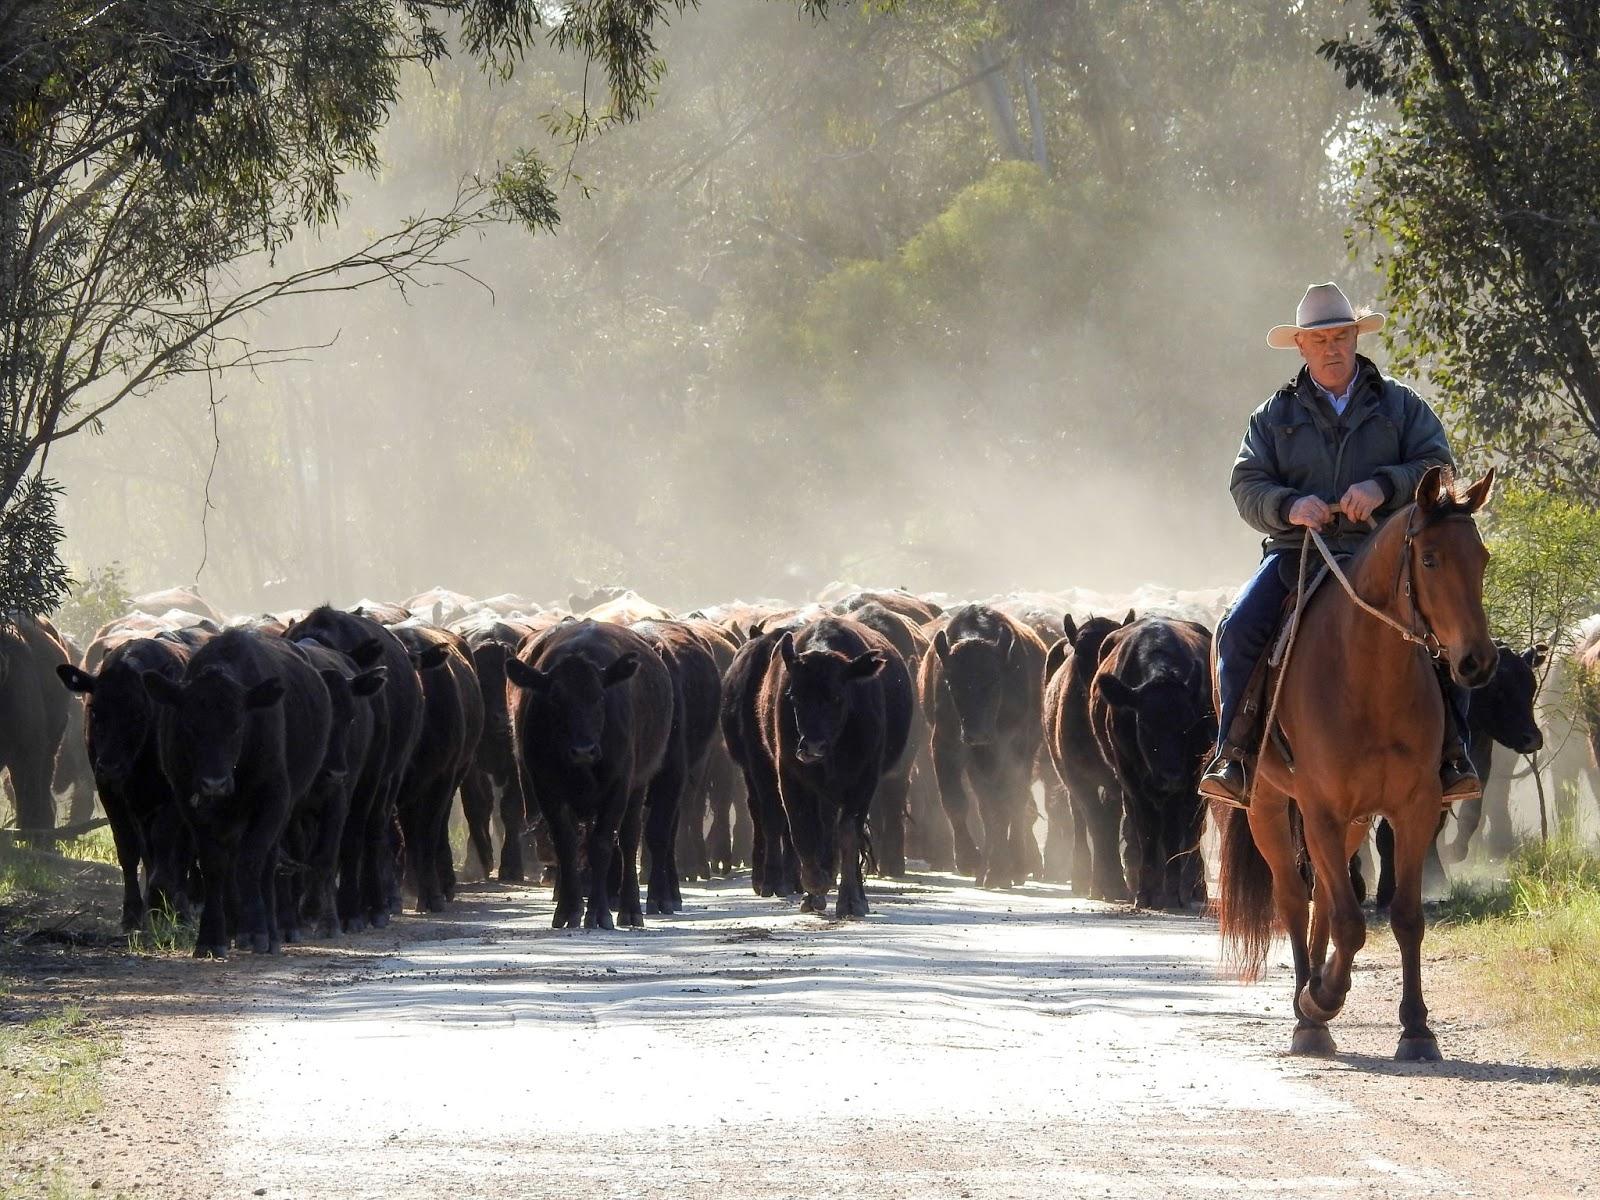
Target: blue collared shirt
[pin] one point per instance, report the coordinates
(1339, 403)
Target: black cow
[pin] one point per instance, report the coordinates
(834, 721)
(452, 723)
(309, 892)
(33, 717)
(774, 870)
(697, 697)
(121, 745)
(369, 888)
(1092, 791)
(1150, 704)
(982, 691)
(918, 827)
(242, 738)
(591, 718)
(913, 608)
(491, 782)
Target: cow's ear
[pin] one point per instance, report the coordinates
(370, 683)
(1070, 628)
(430, 657)
(526, 675)
(1056, 656)
(161, 689)
(367, 653)
(1129, 619)
(1429, 489)
(865, 666)
(1478, 494)
(786, 648)
(76, 680)
(753, 632)
(1537, 655)
(265, 694)
(941, 646)
(1116, 693)
(623, 668)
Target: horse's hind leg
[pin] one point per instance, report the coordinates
(1413, 835)
(1274, 837)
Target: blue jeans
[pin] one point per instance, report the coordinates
(1242, 639)
(1246, 631)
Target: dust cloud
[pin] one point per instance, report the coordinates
(690, 388)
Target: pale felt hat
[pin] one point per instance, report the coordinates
(1324, 306)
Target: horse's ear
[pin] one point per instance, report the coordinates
(1429, 489)
(1070, 627)
(1478, 494)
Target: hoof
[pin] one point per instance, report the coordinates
(1313, 1041)
(259, 943)
(653, 909)
(210, 950)
(380, 919)
(293, 937)
(632, 920)
(356, 924)
(1418, 1049)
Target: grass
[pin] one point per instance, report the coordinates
(49, 1079)
(1533, 942)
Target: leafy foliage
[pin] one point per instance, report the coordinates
(1544, 567)
(1482, 197)
(102, 596)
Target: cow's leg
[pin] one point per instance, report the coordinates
(1414, 832)
(851, 904)
(564, 841)
(888, 825)
(629, 913)
(1061, 831)
(662, 798)
(514, 824)
(216, 879)
(1383, 836)
(949, 766)
(613, 812)
(477, 806)
(129, 841)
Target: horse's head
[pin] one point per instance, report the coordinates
(1447, 560)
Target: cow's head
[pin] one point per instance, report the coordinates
(571, 697)
(974, 672)
(345, 696)
(1503, 707)
(818, 692)
(1167, 713)
(120, 716)
(210, 714)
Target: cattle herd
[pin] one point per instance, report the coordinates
(279, 777)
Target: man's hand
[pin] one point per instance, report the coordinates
(1362, 500)
(1310, 511)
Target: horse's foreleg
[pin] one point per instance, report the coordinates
(1328, 842)
(1413, 836)
(1274, 837)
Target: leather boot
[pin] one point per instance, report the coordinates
(1457, 776)
(1227, 781)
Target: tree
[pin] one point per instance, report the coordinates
(156, 159)
(1482, 196)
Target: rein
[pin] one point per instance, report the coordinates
(1426, 639)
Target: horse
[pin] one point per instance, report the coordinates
(1362, 717)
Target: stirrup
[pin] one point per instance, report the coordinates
(1226, 781)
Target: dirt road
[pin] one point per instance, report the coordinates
(958, 1044)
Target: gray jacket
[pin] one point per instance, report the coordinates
(1295, 446)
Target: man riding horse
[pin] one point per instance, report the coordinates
(1340, 444)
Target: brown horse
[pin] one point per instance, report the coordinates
(1363, 719)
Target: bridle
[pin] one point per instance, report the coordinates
(1419, 632)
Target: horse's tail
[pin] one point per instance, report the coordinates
(1244, 884)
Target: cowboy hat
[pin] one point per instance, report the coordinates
(1324, 306)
